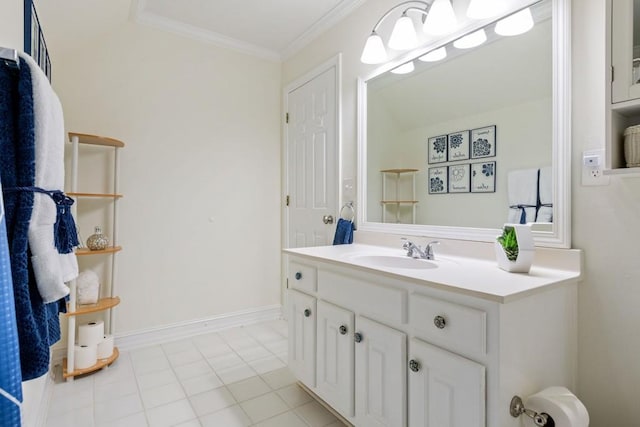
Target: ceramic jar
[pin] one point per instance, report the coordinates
(632, 146)
(97, 241)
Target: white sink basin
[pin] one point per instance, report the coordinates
(392, 261)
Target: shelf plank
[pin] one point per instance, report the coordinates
(84, 138)
(622, 171)
(99, 365)
(388, 202)
(109, 250)
(101, 305)
(105, 195)
(399, 170)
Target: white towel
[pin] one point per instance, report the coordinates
(51, 269)
(522, 189)
(545, 213)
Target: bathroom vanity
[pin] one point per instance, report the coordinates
(387, 340)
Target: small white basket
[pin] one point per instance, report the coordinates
(632, 146)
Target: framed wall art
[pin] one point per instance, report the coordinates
(438, 180)
(483, 177)
(437, 151)
(458, 146)
(483, 142)
(459, 178)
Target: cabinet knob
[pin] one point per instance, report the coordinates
(440, 322)
(414, 365)
(357, 337)
(343, 330)
(298, 275)
(307, 312)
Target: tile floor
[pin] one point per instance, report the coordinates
(235, 377)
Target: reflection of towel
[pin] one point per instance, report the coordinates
(10, 377)
(545, 211)
(344, 232)
(50, 268)
(522, 188)
(39, 324)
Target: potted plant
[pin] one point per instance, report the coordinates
(514, 248)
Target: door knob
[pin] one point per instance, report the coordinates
(327, 219)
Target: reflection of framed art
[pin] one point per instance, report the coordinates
(459, 179)
(458, 147)
(438, 180)
(483, 177)
(437, 149)
(483, 142)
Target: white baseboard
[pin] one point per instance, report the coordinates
(151, 336)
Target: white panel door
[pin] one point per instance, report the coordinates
(381, 381)
(445, 390)
(335, 367)
(312, 161)
(302, 337)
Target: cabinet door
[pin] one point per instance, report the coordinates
(302, 337)
(625, 54)
(335, 357)
(445, 390)
(380, 375)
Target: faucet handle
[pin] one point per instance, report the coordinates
(428, 250)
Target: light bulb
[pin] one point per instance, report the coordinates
(404, 35)
(404, 68)
(434, 55)
(441, 18)
(471, 40)
(374, 51)
(518, 23)
(481, 9)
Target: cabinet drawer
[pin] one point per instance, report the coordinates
(459, 328)
(372, 299)
(302, 276)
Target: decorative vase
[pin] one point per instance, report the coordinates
(97, 241)
(526, 250)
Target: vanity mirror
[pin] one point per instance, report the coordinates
(515, 89)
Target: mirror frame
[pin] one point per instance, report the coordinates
(560, 236)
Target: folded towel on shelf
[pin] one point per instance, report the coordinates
(522, 191)
(545, 193)
(344, 232)
(51, 268)
(39, 325)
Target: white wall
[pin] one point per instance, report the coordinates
(604, 218)
(200, 171)
(11, 28)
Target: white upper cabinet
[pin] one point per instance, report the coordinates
(625, 50)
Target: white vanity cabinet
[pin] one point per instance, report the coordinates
(395, 350)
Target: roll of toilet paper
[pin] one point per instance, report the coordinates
(91, 333)
(85, 356)
(105, 347)
(561, 405)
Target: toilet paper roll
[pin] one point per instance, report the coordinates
(85, 356)
(105, 347)
(561, 405)
(91, 333)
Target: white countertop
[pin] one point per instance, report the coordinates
(475, 277)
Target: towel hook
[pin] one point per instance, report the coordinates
(348, 205)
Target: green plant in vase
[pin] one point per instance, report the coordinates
(509, 243)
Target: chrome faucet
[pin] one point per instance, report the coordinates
(415, 251)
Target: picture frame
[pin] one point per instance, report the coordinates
(483, 142)
(438, 180)
(458, 146)
(437, 149)
(460, 178)
(483, 177)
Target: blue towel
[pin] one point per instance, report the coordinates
(10, 375)
(344, 232)
(39, 325)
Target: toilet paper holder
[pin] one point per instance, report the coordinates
(516, 408)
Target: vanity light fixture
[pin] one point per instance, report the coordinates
(481, 9)
(404, 68)
(434, 55)
(518, 23)
(438, 13)
(441, 18)
(471, 40)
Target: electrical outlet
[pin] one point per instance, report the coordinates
(593, 168)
